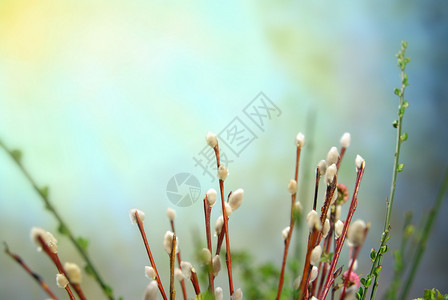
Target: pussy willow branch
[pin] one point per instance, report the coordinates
(148, 251)
(36, 276)
(179, 260)
(226, 224)
(49, 206)
(291, 227)
(341, 239)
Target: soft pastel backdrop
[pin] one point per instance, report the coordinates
(109, 99)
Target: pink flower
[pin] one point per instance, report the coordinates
(353, 279)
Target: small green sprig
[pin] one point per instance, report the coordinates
(80, 243)
(397, 167)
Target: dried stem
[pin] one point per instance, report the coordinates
(36, 276)
(43, 193)
(291, 227)
(226, 225)
(341, 239)
(179, 260)
(172, 261)
(148, 250)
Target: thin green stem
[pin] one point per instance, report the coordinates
(426, 232)
(397, 167)
(63, 228)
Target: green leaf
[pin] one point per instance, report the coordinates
(397, 92)
(384, 249)
(404, 137)
(372, 255)
(83, 243)
(400, 167)
(62, 229)
(395, 123)
(17, 155)
(377, 270)
(44, 191)
(89, 270)
(363, 281)
(405, 104)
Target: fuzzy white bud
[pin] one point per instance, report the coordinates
(171, 214)
(313, 298)
(313, 221)
(355, 264)
(218, 225)
(73, 272)
(338, 227)
(326, 228)
(300, 140)
(345, 140)
(329, 175)
(332, 156)
(211, 197)
(47, 238)
(228, 209)
(292, 187)
(236, 198)
(186, 269)
(337, 214)
(315, 255)
(222, 173)
(61, 280)
(237, 295)
(355, 234)
(285, 233)
(216, 264)
(211, 139)
(132, 212)
(359, 161)
(168, 242)
(205, 256)
(298, 207)
(151, 291)
(178, 274)
(296, 283)
(150, 273)
(314, 273)
(218, 293)
(322, 165)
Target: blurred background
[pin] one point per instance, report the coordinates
(108, 100)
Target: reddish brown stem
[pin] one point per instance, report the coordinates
(341, 155)
(341, 239)
(148, 250)
(179, 260)
(194, 280)
(36, 276)
(226, 225)
(55, 258)
(291, 226)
